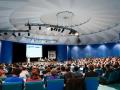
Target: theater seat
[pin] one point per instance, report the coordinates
(39, 85)
(91, 83)
(111, 77)
(57, 84)
(2, 78)
(114, 77)
(119, 75)
(12, 86)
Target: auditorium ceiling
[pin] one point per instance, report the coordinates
(96, 21)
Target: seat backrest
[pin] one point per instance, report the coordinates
(116, 76)
(12, 86)
(2, 78)
(111, 77)
(56, 84)
(91, 83)
(38, 85)
(119, 75)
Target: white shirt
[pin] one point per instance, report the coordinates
(24, 74)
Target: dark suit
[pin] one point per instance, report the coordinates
(67, 76)
(91, 74)
(75, 84)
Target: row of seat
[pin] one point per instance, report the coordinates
(113, 77)
(38, 85)
(91, 83)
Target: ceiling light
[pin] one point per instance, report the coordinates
(59, 30)
(39, 27)
(19, 34)
(28, 33)
(76, 34)
(29, 27)
(55, 29)
(14, 34)
(5, 33)
(52, 29)
(62, 30)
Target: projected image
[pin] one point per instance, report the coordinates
(33, 51)
(51, 54)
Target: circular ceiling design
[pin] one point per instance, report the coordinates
(97, 21)
(64, 18)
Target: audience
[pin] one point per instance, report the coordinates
(85, 68)
(54, 75)
(68, 74)
(35, 76)
(91, 72)
(76, 72)
(15, 76)
(2, 72)
(24, 73)
(67, 70)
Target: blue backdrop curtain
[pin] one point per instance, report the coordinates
(66, 52)
(61, 52)
(96, 50)
(6, 52)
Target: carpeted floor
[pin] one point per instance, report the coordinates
(109, 87)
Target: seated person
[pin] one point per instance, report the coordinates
(105, 76)
(98, 70)
(85, 68)
(76, 72)
(2, 75)
(63, 71)
(15, 76)
(53, 75)
(24, 73)
(35, 76)
(108, 71)
(91, 72)
(74, 81)
(68, 74)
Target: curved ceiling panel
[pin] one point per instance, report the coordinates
(95, 20)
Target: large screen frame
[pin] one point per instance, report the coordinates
(34, 51)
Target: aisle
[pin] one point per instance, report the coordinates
(109, 87)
